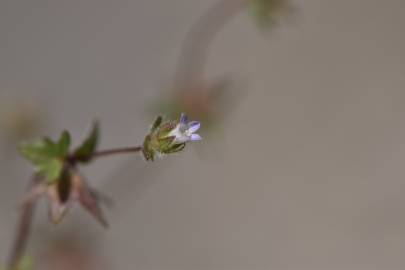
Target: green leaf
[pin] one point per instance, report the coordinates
(35, 152)
(64, 143)
(25, 263)
(85, 151)
(47, 156)
(39, 151)
(51, 169)
(268, 12)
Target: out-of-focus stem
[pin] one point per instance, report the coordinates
(23, 227)
(22, 233)
(194, 49)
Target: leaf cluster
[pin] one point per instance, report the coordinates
(49, 157)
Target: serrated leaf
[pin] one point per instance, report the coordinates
(34, 152)
(39, 151)
(47, 156)
(85, 151)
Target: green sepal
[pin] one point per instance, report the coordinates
(156, 124)
(147, 152)
(165, 144)
(176, 148)
(86, 150)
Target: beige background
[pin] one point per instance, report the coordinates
(307, 173)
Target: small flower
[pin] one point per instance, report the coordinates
(185, 131)
(169, 137)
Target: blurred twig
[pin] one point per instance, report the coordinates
(23, 230)
(194, 49)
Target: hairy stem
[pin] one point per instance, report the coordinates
(194, 49)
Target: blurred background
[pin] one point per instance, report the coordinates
(304, 168)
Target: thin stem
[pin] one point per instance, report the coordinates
(23, 230)
(193, 52)
(117, 151)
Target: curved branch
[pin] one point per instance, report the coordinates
(194, 49)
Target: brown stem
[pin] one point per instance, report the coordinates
(23, 230)
(193, 52)
(117, 151)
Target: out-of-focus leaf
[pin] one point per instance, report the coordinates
(64, 143)
(85, 151)
(36, 152)
(47, 156)
(20, 119)
(25, 263)
(268, 12)
(51, 169)
(207, 101)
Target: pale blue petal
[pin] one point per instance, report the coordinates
(193, 126)
(195, 137)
